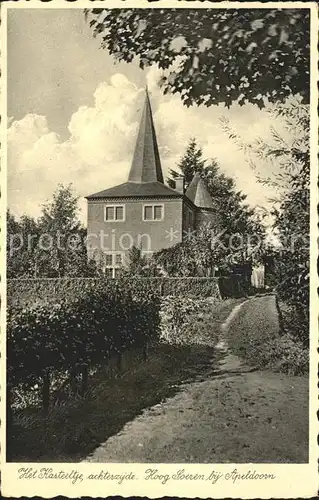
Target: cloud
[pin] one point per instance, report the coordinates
(93, 158)
(99, 150)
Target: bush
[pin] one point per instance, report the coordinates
(270, 349)
(282, 354)
(30, 291)
(287, 355)
(187, 321)
(75, 334)
(176, 313)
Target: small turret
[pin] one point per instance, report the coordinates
(198, 193)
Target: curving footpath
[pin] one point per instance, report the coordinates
(236, 415)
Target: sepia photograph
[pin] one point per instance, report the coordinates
(160, 169)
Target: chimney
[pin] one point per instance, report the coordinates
(179, 184)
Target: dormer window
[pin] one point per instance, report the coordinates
(114, 213)
(153, 212)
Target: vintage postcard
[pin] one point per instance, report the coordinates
(159, 306)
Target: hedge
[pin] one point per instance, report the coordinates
(77, 332)
(30, 291)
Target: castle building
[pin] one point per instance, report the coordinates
(144, 212)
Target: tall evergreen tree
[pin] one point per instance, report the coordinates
(238, 233)
(191, 163)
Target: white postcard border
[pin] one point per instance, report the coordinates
(292, 480)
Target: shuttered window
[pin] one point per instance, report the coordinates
(119, 213)
(158, 212)
(148, 212)
(153, 212)
(114, 213)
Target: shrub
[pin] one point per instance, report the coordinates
(75, 334)
(283, 354)
(30, 291)
(176, 313)
(190, 287)
(287, 355)
(186, 321)
(270, 349)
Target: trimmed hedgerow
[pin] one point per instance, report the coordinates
(31, 291)
(74, 335)
(190, 287)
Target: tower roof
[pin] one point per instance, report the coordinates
(135, 189)
(198, 193)
(146, 177)
(146, 164)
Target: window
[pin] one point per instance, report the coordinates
(114, 213)
(147, 254)
(108, 272)
(113, 263)
(157, 212)
(117, 273)
(148, 213)
(108, 260)
(153, 212)
(118, 259)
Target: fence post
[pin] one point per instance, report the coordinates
(46, 392)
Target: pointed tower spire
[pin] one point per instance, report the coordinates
(146, 164)
(198, 193)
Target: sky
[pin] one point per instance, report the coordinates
(74, 113)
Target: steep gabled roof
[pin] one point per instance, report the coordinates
(198, 193)
(146, 164)
(134, 189)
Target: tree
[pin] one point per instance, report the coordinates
(63, 249)
(191, 163)
(136, 262)
(291, 206)
(53, 245)
(22, 239)
(139, 265)
(212, 56)
(234, 237)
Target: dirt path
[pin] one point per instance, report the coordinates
(236, 415)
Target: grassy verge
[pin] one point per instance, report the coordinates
(267, 346)
(73, 429)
